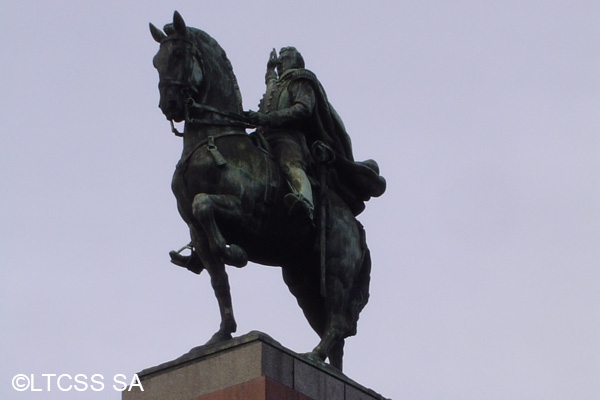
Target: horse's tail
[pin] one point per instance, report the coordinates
(304, 282)
(359, 292)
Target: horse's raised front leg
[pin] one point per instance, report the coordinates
(205, 207)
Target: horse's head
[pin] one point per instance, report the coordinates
(179, 66)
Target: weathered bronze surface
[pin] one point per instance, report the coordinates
(285, 195)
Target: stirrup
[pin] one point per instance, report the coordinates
(189, 262)
(299, 205)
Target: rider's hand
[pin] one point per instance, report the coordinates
(257, 118)
(272, 63)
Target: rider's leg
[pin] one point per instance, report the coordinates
(290, 152)
(298, 181)
(300, 199)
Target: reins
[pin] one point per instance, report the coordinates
(238, 119)
(233, 119)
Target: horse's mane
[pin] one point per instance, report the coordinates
(211, 48)
(214, 59)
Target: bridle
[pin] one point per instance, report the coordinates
(190, 90)
(196, 55)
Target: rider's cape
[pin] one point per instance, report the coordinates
(354, 181)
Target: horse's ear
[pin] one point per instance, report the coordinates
(179, 23)
(157, 34)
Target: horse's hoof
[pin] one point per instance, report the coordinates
(219, 337)
(235, 256)
(314, 357)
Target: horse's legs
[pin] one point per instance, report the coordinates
(220, 284)
(337, 294)
(204, 207)
(336, 355)
(344, 256)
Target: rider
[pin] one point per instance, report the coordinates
(284, 113)
(294, 113)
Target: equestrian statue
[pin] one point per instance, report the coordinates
(286, 194)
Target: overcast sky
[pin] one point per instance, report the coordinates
(484, 117)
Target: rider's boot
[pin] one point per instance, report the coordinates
(300, 200)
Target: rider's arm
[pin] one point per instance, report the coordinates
(271, 75)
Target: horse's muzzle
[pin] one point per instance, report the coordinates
(173, 110)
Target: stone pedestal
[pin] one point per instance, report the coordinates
(250, 367)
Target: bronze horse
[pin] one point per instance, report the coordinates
(230, 193)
